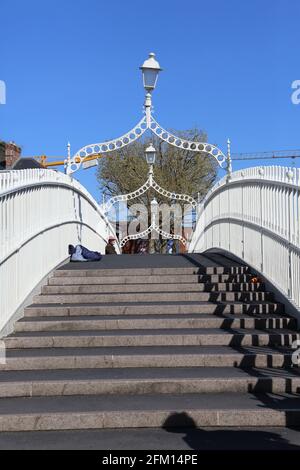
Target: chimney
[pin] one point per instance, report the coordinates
(9, 154)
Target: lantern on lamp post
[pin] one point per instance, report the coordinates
(150, 154)
(150, 70)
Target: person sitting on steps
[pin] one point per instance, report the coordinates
(110, 249)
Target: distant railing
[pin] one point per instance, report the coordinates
(255, 215)
(41, 212)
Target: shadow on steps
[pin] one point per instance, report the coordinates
(226, 439)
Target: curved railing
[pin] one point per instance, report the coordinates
(255, 215)
(41, 212)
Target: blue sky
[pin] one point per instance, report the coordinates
(71, 70)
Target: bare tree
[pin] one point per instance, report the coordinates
(177, 170)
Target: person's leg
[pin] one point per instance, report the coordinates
(77, 255)
(90, 255)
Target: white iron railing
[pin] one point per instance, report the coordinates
(255, 215)
(41, 212)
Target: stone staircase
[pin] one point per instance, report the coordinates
(151, 341)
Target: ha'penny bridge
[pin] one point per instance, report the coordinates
(208, 337)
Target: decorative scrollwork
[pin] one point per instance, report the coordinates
(174, 196)
(151, 228)
(104, 147)
(136, 236)
(150, 183)
(127, 197)
(186, 144)
(74, 163)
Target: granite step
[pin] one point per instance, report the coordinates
(80, 271)
(148, 337)
(147, 381)
(154, 279)
(157, 288)
(151, 356)
(152, 308)
(171, 410)
(113, 322)
(157, 297)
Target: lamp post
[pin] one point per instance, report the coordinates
(150, 70)
(154, 222)
(150, 155)
(154, 207)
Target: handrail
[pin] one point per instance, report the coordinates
(255, 215)
(41, 212)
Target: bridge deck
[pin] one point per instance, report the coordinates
(153, 261)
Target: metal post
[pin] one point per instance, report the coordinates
(229, 161)
(67, 165)
(148, 107)
(150, 174)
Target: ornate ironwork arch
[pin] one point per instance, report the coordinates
(150, 183)
(73, 164)
(187, 144)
